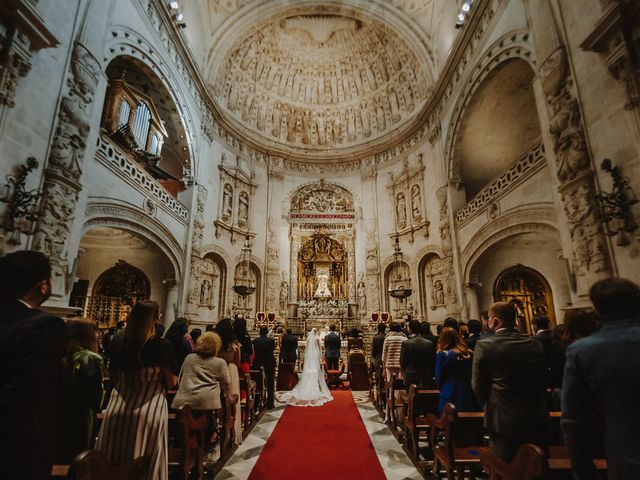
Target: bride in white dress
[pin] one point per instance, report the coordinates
(312, 389)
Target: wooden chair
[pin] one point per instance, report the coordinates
(260, 379)
(420, 403)
(456, 441)
(193, 441)
(529, 463)
(227, 418)
(248, 403)
(395, 408)
(92, 465)
(287, 377)
(333, 377)
(381, 389)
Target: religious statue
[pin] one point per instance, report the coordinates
(227, 202)
(243, 209)
(416, 200)
(401, 211)
(362, 299)
(205, 292)
(323, 285)
(438, 293)
(284, 295)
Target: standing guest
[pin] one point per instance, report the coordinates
(391, 349)
(425, 332)
(463, 329)
(81, 390)
(601, 384)
(453, 372)
(475, 330)
(509, 379)
(451, 323)
(243, 338)
(31, 349)
(209, 328)
(416, 358)
(486, 331)
(332, 344)
(230, 352)
(200, 379)
(142, 368)
(265, 357)
(544, 335)
(376, 345)
(288, 348)
(176, 336)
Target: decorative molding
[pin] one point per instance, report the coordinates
(116, 160)
(528, 164)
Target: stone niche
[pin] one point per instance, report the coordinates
(320, 80)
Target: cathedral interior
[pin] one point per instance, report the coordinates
(298, 161)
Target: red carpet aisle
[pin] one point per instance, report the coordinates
(328, 442)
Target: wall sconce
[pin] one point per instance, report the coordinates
(615, 207)
(21, 214)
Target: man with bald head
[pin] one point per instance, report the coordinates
(509, 379)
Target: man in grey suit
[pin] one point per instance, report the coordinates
(602, 385)
(332, 345)
(509, 379)
(417, 358)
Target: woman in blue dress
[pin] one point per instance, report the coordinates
(453, 372)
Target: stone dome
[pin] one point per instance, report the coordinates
(320, 82)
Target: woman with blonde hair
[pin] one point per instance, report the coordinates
(142, 367)
(453, 372)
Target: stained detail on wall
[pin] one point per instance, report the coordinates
(321, 80)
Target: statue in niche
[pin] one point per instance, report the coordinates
(205, 292)
(351, 124)
(382, 125)
(362, 298)
(401, 211)
(323, 285)
(291, 126)
(438, 293)
(416, 201)
(306, 127)
(243, 209)
(276, 113)
(364, 118)
(227, 202)
(321, 127)
(284, 295)
(395, 108)
(262, 113)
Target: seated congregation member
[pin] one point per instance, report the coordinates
(376, 345)
(31, 349)
(453, 372)
(475, 330)
(416, 358)
(246, 347)
(265, 357)
(391, 349)
(288, 347)
(509, 379)
(81, 390)
(230, 352)
(200, 379)
(601, 384)
(176, 334)
(142, 368)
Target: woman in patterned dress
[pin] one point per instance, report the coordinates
(142, 367)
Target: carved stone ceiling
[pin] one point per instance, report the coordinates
(313, 78)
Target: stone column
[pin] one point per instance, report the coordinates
(273, 278)
(70, 148)
(171, 301)
(197, 233)
(293, 269)
(368, 179)
(471, 292)
(448, 267)
(570, 158)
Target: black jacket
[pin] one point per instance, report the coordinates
(332, 345)
(377, 343)
(31, 349)
(288, 349)
(417, 361)
(509, 378)
(264, 349)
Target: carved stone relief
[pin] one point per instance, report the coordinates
(406, 190)
(66, 161)
(327, 80)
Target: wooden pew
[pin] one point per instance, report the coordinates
(420, 403)
(247, 386)
(456, 440)
(395, 405)
(193, 442)
(529, 463)
(260, 379)
(92, 465)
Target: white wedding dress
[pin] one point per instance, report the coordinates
(311, 390)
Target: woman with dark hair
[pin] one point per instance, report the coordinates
(453, 372)
(230, 352)
(246, 347)
(176, 334)
(142, 368)
(81, 391)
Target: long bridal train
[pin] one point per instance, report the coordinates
(312, 389)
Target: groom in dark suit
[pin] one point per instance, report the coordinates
(264, 348)
(332, 345)
(31, 347)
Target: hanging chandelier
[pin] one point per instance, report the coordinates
(399, 285)
(244, 284)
